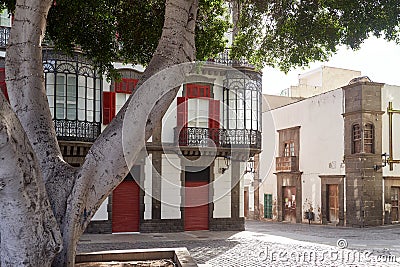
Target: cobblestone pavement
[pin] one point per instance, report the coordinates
(270, 244)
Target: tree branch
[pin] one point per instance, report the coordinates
(25, 82)
(29, 231)
(114, 152)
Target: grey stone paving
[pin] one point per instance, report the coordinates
(276, 244)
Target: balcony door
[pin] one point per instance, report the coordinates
(198, 112)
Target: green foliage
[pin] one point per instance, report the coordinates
(128, 31)
(279, 33)
(211, 26)
(288, 33)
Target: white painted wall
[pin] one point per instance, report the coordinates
(322, 80)
(169, 121)
(321, 142)
(148, 168)
(391, 93)
(171, 187)
(222, 190)
(241, 197)
(101, 214)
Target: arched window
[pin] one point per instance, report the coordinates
(356, 139)
(369, 138)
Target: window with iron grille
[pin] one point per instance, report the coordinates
(369, 138)
(356, 139)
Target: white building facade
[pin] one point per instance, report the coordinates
(326, 158)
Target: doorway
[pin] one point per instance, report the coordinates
(333, 203)
(394, 197)
(289, 204)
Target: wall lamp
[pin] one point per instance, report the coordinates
(227, 160)
(250, 166)
(384, 162)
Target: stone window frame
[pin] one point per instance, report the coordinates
(356, 137)
(369, 139)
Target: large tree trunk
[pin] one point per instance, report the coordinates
(29, 232)
(28, 141)
(102, 172)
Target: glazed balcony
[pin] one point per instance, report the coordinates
(287, 164)
(225, 138)
(73, 130)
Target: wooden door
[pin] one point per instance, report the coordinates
(333, 203)
(125, 207)
(196, 205)
(289, 203)
(394, 197)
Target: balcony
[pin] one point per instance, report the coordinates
(206, 137)
(287, 164)
(73, 130)
(225, 59)
(4, 36)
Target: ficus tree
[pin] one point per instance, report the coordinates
(42, 198)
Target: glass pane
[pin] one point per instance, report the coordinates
(50, 81)
(97, 119)
(71, 111)
(90, 83)
(90, 93)
(60, 111)
(82, 81)
(89, 115)
(51, 101)
(60, 87)
(90, 105)
(97, 107)
(81, 114)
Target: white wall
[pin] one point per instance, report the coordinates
(171, 187)
(241, 197)
(391, 93)
(148, 168)
(169, 121)
(321, 142)
(101, 214)
(222, 190)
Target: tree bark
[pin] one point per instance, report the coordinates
(106, 164)
(27, 93)
(29, 232)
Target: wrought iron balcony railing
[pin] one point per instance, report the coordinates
(73, 130)
(287, 164)
(205, 137)
(4, 36)
(225, 59)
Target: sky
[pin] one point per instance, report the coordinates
(377, 59)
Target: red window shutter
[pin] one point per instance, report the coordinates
(194, 90)
(3, 85)
(126, 85)
(214, 114)
(108, 107)
(181, 111)
(213, 120)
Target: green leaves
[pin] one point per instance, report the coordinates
(279, 33)
(289, 33)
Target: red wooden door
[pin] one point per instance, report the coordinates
(196, 205)
(125, 207)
